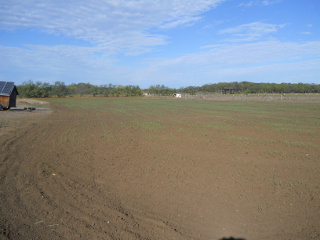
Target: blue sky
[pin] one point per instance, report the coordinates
(176, 43)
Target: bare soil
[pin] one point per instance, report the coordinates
(27, 111)
(79, 174)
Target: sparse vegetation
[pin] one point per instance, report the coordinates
(156, 157)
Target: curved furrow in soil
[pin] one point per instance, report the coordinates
(49, 189)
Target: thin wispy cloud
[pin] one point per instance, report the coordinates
(270, 2)
(248, 4)
(259, 3)
(224, 55)
(251, 31)
(223, 61)
(185, 21)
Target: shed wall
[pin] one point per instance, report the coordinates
(5, 101)
(13, 97)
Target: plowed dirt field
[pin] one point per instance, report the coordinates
(130, 168)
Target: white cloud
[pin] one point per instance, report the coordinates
(115, 24)
(251, 31)
(259, 2)
(247, 4)
(270, 2)
(220, 55)
(68, 63)
(271, 61)
(183, 21)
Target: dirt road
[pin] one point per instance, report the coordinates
(79, 174)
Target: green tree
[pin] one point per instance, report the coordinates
(60, 89)
(160, 90)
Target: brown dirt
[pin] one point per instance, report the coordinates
(66, 175)
(26, 113)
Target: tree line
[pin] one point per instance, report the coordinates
(60, 89)
(238, 88)
(251, 88)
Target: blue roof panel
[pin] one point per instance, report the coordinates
(2, 86)
(6, 88)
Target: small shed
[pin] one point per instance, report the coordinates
(8, 95)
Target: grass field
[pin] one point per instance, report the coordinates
(164, 169)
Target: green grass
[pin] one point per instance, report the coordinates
(2, 124)
(155, 105)
(182, 115)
